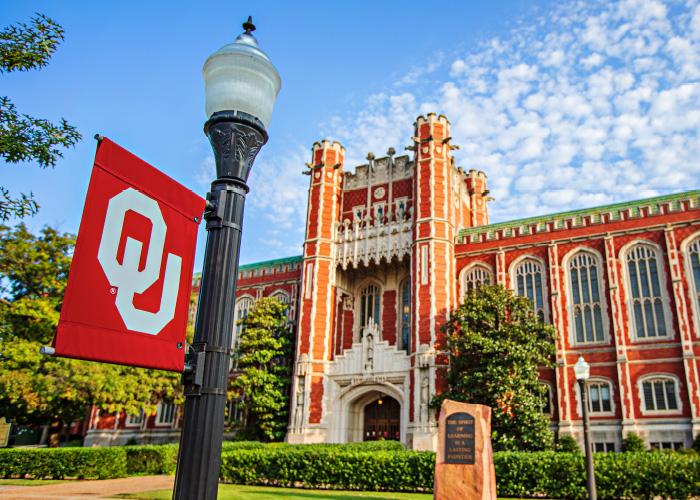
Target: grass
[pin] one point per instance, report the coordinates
(31, 482)
(238, 492)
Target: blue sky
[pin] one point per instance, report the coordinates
(563, 105)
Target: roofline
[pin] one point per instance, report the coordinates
(578, 213)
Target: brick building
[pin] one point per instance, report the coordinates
(391, 247)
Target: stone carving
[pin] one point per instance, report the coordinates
(383, 170)
(299, 409)
(385, 358)
(372, 239)
(424, 398)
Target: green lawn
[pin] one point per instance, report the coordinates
(236, 492)
(31, 482)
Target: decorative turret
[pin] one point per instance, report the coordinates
(476, 186)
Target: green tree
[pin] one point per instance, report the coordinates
(23, 138)
(264, 353)
(632, 443)
(36, 389)
(495, 344)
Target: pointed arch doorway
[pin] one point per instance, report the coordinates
(383, 420)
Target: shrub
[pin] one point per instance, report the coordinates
(696, 443)
(148, 460)
(59, 463)
(632, 443)
(330, 466)
(567, 444)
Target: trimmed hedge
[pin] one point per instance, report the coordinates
(329, 466)
(150, 460)
(59, 463)
(519, 475)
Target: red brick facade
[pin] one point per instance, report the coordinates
(392, 247)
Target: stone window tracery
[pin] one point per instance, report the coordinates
(370, 305)
(242, 306)
(586, 302)
(660, 394)
(529, 282)
(693, 255)
(646, 292)
(475, 277)
(599, 396)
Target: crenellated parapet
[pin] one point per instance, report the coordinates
(380, 171)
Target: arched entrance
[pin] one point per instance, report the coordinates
(382, 420)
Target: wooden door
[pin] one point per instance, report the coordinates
(383, 420)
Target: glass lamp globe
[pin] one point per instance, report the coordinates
(240, 77)
(582, 369)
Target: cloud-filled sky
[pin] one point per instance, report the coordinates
(563, 105)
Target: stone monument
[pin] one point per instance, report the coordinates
(464, 461)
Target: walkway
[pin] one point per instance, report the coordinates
(86, 490)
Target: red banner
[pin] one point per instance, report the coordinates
(128, 293)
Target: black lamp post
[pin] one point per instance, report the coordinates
(241, 84)
(583, 371)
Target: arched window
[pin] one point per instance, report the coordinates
(599, 396)
(646, 293)
(546, 398)
(283, 297)
(370, 305)
(405, 315)
(528, 280)
(659, 394)
(242, 306)
(693, 263)
(586, 300)
(476, 276)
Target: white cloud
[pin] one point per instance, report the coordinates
(593, 103)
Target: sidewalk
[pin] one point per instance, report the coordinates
(87, 490)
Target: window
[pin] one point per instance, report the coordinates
(405, 314)
(587, 306)
(599, 396)
(528, 280)
(284, 299)
(135, 420)
(693, 258)
(476, 276)
(242, 306)
(660, 394)
(370, 302)
(603, 447)
(166, 413)
(546, 399)
(666, 446)
(233, 413)
(646, 289)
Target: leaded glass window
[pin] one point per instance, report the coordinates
(405, 325)
(529, 283)
(585, 298)
(475, 277)
(660, 394)
(646, 297)
(694, 256)
(241, 311)
(370, 305)
(599, 397)
(284, 299)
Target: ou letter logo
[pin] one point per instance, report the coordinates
(126, 276)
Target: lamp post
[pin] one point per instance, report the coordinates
(241, 84)
(583, 371)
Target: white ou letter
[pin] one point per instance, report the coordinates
(126, 276)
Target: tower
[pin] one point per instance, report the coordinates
(318, 293)
(432, 265)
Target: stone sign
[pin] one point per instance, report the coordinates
(464, 463)
(4, 432)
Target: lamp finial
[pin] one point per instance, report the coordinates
(248, 26)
